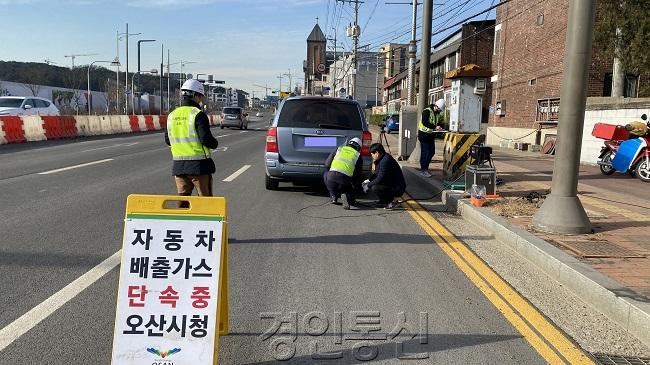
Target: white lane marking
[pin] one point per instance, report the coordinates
(37, 314)
(75, 166)
(237, 173)
(113, 146)
(220, 149)
(242, 132)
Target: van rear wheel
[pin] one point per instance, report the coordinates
(271, 184)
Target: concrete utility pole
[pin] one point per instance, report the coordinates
(333, 81)
(355, 45)
(618, 75)
(423, 97)
(562, 211)
(413, 47)
(288, 74)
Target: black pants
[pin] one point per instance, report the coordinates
(338, 183)
(386, 193)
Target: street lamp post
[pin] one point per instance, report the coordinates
(180, 79)
(140, 42)
(88, 96)
(152, 72)
(126, 78)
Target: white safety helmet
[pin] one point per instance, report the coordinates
(193, 86)
(441, 104)
(355, 142)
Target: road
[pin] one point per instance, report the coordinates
(289, 253)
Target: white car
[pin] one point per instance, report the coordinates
(26, 105)
(258, 114)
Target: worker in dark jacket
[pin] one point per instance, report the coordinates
(430, 121)
(188, 134)
(387, 181)
(344, 169)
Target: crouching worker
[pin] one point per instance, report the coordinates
(344, 168)
(387, 182)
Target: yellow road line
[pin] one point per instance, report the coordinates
(551, 343)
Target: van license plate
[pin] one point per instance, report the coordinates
(320, 141)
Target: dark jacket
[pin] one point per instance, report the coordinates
(357, 177)
(429, 137)
(198, 167)
(388, 173)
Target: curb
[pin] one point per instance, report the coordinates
(603, 293)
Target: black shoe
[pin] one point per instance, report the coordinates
(334, 200)
(392, 205)
(344, 199)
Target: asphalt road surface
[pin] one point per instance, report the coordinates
(331, 275)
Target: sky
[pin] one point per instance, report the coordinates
(242, 42)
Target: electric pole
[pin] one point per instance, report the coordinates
(562, 211)
(423, 96)
(333, 81)
(354, 31)
(413, 47)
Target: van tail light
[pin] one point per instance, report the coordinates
(272, 140)
(366, 141)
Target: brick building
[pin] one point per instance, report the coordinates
(472, 43)
(527, 70)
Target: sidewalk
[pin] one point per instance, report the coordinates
(618, 207)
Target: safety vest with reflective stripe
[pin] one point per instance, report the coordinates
(182, 135)
(433, 119)
(345, 160)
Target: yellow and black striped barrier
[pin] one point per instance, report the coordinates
(456, 153)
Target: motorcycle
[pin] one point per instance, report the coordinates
(626, 149)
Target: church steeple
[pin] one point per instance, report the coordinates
(316, 35)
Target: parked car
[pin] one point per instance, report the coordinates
(27, 105)
(392, 124)
(258, 114)
(234, 117)
(305, 130)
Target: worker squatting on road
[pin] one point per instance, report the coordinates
(345, 168)
(188, 134)
(429, 122)
(387, 180)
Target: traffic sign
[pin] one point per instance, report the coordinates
(172, 300)
(321, 67)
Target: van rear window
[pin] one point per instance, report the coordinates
(231, 110)
(324, 114)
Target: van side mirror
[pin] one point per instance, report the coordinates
(27, 107)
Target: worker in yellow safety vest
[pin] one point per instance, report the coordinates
(345, 167)
(429, 123)
(188, 135)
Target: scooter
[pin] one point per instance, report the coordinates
(624, 152)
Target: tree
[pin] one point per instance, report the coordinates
(630, 44)
(37, 78)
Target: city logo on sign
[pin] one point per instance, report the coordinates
(320, 131)
(163, 354)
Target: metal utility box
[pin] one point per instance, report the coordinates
(466, 106)
(468, 85)
(481, 175)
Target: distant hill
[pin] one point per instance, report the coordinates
(56, 76)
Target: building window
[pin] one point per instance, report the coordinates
(324, 78)
(540, 19)
(548, 110)
(532, 82)
(629, 88)
(451, 62)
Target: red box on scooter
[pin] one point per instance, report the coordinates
(610, 132)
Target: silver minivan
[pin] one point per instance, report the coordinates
(234, 117)
(305, 130)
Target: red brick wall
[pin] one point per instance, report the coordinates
(477, 48)
(529, 51)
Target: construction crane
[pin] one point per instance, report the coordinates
(266, 89)
(73, 56)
